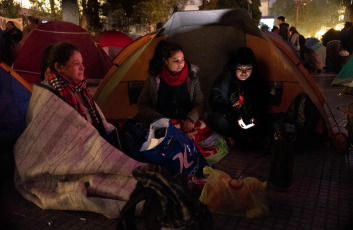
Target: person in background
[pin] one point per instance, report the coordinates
(346, 37)
(294, 39)
(275, 29)
(283, 27)
(312, 61)
(32, 23)
(239, 102)
(12, 37)
(331, 39)
(172, 89)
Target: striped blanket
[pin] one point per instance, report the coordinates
(63, 163)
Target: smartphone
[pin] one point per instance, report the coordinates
(248, 126)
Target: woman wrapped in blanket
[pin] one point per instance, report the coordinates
(63, 159)
(172, 89)
(64, 163)
(63, 70)
(239, 101)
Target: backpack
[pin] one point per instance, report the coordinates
(168, 203)
(304, 115)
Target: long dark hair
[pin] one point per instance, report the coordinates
(43, 65)
(163, 51)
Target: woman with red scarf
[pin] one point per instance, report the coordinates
(172, 89)
(64, 75)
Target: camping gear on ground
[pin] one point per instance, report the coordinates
(306, 118)
(168, 204)
(211, 145)
(243, 197)
(31, 47)
(63, 163)
(215, 140)
(132, 134)
(169, 147)
(282, 156)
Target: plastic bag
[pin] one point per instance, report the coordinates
(169, 147)
(224, 195)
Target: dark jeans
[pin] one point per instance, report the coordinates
(333, 59)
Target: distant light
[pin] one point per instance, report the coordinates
(268, 21)
(322, 31)
(339, 26)
(24, 3)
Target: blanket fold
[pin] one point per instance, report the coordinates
(63, 163)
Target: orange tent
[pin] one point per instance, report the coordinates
(209, 38)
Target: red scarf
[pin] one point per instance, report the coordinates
(172, 79)
(67, 88)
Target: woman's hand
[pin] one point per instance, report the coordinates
(187, 126)
(246, 126)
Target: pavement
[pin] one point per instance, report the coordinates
(321, 196)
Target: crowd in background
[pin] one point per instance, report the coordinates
(339, 46)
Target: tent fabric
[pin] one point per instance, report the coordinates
(107, 89)
(209, 38)
(112, 42)
(113, 38)
(15, 94)
(96, 62)
(345, 76)
(302, 81)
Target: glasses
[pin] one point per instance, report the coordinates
(244, 69)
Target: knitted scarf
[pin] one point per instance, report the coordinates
(172, 79)
(67, 88)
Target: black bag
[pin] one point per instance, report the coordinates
(168, 203)
(131, 136)
(304, 115)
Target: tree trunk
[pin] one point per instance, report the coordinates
(84, 21)
(70, 11)
(52, 9)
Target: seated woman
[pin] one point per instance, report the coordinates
(239, 101)
(172, 89)
(62, 159)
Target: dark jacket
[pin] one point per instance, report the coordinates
(284, 30)
(227, 91)
(346, 37)
(330, 35)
